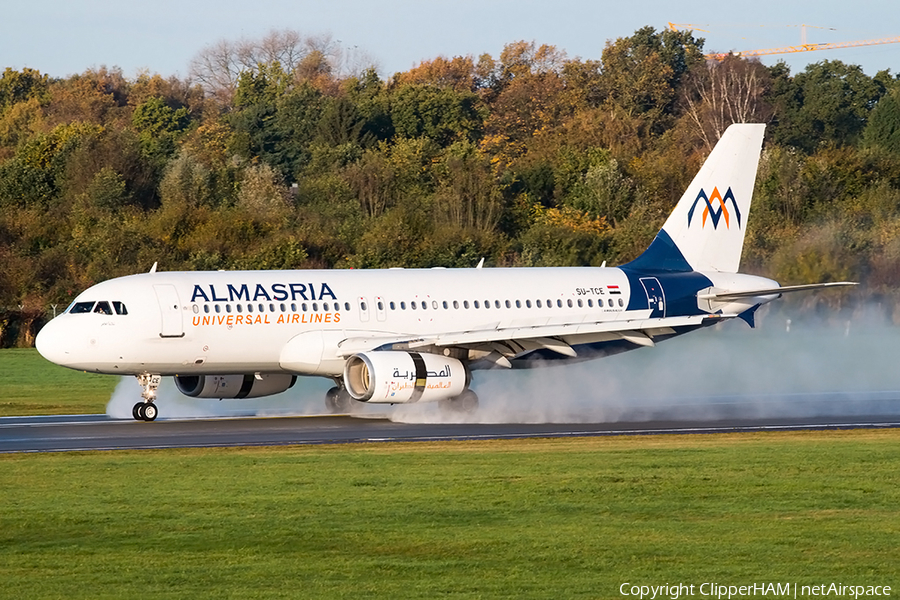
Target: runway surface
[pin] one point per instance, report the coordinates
(99, 432)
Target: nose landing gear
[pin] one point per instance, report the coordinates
(146, 410)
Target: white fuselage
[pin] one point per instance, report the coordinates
(307, 322)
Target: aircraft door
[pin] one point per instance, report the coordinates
(171, 326)
(656, 300)
(380, 312)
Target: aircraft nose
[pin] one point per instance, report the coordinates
(51, 343)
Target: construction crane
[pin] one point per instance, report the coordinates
(803, 47)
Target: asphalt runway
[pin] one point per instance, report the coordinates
(100, 432)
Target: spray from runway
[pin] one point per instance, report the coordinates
(788, 366)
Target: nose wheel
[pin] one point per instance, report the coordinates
(146, 410)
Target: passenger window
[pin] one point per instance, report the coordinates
(580, 303)
(240, 308)
(250, 308)
(403, 306)
(599, 302)
(528, 304)
(121, 310)
(477, 305)
(283, 308)
(271, 308)
(590, 303)
(380, 305)
(412, 305)
(392, 305)
(465, 304)
(103, 308)
(347, 306)
(316, 307)
(621, 303)
(538, 303)
(518, 304)
(205, 308)
(218, 308)
(569, 302)
(325, 306)
(293, 307)
(456, 304)
(424, 305)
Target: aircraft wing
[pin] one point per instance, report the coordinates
(503, 342)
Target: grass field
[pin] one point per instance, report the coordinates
(30, 385)
(505, 519)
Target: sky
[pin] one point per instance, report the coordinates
(65, 37)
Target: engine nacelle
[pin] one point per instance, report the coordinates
(233, 386)
(396, 377)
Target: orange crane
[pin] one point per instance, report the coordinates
(804, 47)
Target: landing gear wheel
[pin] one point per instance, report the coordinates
(144, 411)
(465, 403)
(338, 401)
(150, 412)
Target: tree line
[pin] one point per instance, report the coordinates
(282, 153)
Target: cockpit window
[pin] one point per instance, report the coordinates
(103, 308)
(81, 307)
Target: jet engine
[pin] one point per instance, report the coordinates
(396, 377)
(233, 386)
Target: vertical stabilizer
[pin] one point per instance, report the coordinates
(705, 232)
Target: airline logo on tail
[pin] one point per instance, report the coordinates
(714, 212)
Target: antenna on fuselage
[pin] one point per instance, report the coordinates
(153, 268)
(480, 263)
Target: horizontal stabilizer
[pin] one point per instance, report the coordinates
(725, 295)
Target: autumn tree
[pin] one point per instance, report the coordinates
(716, 94)
(457, 73)
(218, 68)
(641, 73)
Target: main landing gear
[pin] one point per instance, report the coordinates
(465, 403)
(146, 410)
(338, 400)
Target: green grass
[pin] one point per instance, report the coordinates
(30, 385)
(510, 519)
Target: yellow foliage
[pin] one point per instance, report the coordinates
(570, 218)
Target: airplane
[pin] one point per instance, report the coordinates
(398, 336)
